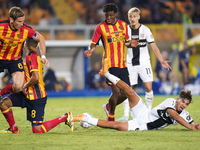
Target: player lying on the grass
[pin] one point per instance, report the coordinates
(170, 111)
(33, 96)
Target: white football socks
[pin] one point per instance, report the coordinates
(126, 108)
(112, 78)
(149, 99)
(92, 121)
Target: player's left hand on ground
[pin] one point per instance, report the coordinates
(45, 62)
(198, 126)
(165, 65)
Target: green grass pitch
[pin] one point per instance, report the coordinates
(95, 138)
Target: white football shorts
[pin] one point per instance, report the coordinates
(140, 115)
(144, 71)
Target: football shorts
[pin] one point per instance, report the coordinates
(35, 108)
(144, 71)
(121, 73)
(140, 115)
(12, 66)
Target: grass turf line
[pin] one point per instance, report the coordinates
(176, 137)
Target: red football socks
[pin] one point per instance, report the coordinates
(8, 89)
(111, 117)
(47, 125)
(8, 113)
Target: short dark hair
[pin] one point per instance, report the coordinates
(16, 12)
(110, 7)
(31, 43)
(186, 94)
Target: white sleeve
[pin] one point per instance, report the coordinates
(169, 103)
(186, 116)
(149, 36)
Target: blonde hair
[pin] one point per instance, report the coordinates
(16, 12)
(134, 9)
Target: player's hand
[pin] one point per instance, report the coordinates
(134, 43)
(45, 62)
(25, 90)
(165, 65)
(88, 53)
(198, 126)
(101, 73)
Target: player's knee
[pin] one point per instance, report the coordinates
(18, 85)
(129, 92)
(148, 89)
(3, 104)
(36, 129)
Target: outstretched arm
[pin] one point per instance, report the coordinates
(42, 47)
(156, 51)
(90, 50)
(197, 126)
(180, 120)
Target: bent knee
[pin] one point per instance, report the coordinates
(18, 85)
(148, 89)
(5, 103)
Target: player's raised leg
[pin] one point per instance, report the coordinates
(132, 96)
(16, 85)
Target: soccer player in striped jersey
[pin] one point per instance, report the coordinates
(170, 111)
(33, 97)
(138, 59)
(13, 33)
(114, 35)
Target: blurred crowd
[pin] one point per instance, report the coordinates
(90, 11)
(44, 12)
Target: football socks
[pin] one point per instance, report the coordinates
(111, 77)
(149, 99)
(46, 126)
(126, 108)
(111, 117)
(8, 114)
(8, 89)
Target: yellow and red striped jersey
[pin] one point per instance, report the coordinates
(11, 42)
(113, 37)
(33, 63)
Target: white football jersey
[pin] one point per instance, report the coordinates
(140, 54)
(160, 118)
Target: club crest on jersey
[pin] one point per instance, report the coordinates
(142, 35)
(120, 27)
(18, 35)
